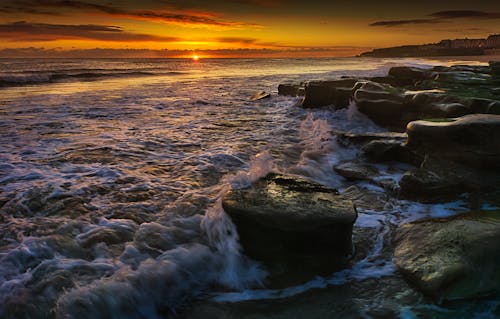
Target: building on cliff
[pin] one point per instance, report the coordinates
(493, 41)
(445, 47)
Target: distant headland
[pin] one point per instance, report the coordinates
(457, 47)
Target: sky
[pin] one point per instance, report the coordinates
(234, 28)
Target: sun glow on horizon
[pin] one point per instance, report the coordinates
(195, 57)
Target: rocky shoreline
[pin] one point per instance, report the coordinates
(443, 141)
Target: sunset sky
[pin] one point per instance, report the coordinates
(235, 28)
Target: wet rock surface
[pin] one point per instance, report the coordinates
(322, 93)
(451, 258)
(291, 89)
(282, 216)
(355, 171)
(382, 103)
(472, 139)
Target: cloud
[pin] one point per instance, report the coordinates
(172, 16)
(261, 3)
(218, 53)
(236, 40)
(460, 14)
(26, 31)
(394, 23)
(440, 17)
(183, 19)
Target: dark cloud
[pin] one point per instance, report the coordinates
(184, 19)
(170, 16)
(258, 3)
(25, 31)
(236, 40)
(439, 17)
(394, 23)
(459, 14)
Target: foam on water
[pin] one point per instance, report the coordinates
(320, 152)
(260, 166)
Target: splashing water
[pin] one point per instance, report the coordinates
(260, 166)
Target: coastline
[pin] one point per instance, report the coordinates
(135, 199)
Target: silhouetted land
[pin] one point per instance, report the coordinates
(457, 47)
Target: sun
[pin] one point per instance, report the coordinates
(195, 57)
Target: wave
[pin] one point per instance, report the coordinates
(19, 79)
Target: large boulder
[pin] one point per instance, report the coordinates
(355, 171)
(389, 150)
(480, 105)
(291, 89)
(494, 108)
(282, 217)
(438, 104)
(322, 93)
(383, 104)
(405, 75)
(437, 180)
(451, 258)
(495, 68)
(472, 139)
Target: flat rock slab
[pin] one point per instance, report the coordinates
(282, 216)
(260, 96)
(451, 258)
(355, 171)
(472, 139)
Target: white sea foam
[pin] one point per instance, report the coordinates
(259, 167)
(237, 271)
(320, 152)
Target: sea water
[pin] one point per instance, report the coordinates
(112, 172)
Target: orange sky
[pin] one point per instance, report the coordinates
(235, 27)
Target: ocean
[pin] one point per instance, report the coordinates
(111, 173)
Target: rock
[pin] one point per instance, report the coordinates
(405, 75)
(349, 138)
(281, 217)
(322, 93)
(390, 150)
(291, 89)
(422, 98)
(480, 105)
(444, 110)
(452, 258)
(495, 91)
(382, 103)
(365, 199)
(437, 104)
(494, 108)
(463, 77)
(495, 68)
(260, 96)
(386, 80)
(355, 171)
(472, 139)
(440, 180)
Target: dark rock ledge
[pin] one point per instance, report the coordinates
(407, 93)
(287, 215)
(287, 220)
